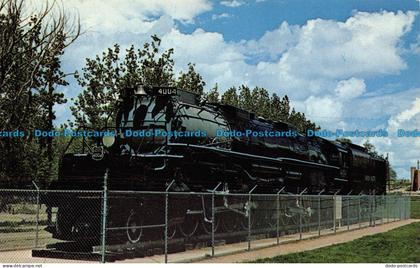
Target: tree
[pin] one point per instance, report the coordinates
(30, 72)
(245, 98)
(261, 102)
(271, 108)
(230, 97)
(106, 78)
(213, 95)
(370, 147)
(191, 81)
(343, 140)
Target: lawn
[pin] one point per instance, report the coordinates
(401, 245)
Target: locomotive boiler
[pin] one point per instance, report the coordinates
(165, 135)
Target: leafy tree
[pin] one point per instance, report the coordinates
(271, 108)
(370, 147)
(261, 102)
(191, 81)
(106, 78)
(245, 98)
(343, 140)
(230, 97)
(213, 95)
(299, 120)
(30, 72)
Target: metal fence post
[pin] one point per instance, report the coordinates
(374, 208)
(387, 208)
(334, 216)
(167, 218)
(409, 207)
(348, 210)
(370, 209)
(249, 217)
(104, 216)
(278, 215)
(359, 212)
(382, 209)
(37, 214)
(401, 208)
(300, 214)
(300, 220)
(213, 218)
(319, 212)
(394, 209)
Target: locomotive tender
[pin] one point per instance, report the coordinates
(199, 161)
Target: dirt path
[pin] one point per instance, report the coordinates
(309, 244)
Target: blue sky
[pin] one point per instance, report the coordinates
(346, 64)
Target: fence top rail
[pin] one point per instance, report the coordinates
(50, 191)
(220, 193)
(217, 193)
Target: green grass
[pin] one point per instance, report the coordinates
(401, 245)
(415, 207)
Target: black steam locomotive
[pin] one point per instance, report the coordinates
(163, 134)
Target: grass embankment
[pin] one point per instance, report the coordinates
(401, 245)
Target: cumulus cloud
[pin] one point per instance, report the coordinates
(134, 16)
(220, 16)
(232, 3)
(351, 88)
(403, 150)
(362, 46)
(408, 116)
(323, 108)
(273, 43)
(415, 47)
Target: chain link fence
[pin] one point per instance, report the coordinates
(61, 226)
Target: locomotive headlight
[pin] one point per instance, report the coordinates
(108, 141)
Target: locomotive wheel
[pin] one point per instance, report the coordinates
(244, 221)
(189, 226)
(207, 225)
(171, 231)
(230, 222)
(272, 220)
(134, 233)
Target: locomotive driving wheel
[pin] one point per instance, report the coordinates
(171, 230)
(134, 227)
(231, 222)
(189, 226)
(207, 225)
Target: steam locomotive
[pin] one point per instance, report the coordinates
(199, 146)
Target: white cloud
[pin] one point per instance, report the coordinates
(220, 16)
(404, 151)
(415, 47)
(323, 108)
(351, 88)
(273, 43)
(114, 16)
(407, 116)
(363, 46)
(232, 3)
